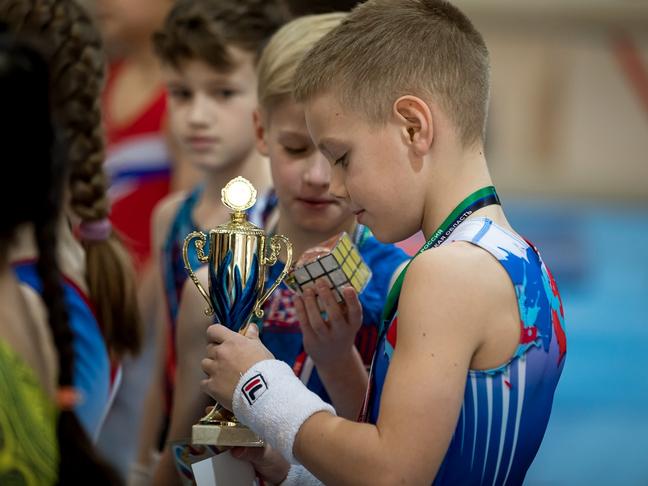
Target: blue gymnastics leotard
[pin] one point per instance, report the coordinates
(505, 410)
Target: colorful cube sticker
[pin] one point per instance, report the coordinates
(342, 266)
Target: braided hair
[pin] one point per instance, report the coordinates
(26, 127)
(76, 65)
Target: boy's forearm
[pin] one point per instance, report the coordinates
(346, 383)
(165, 473)
(341, 452)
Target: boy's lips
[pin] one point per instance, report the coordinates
(201, 143)
(316, 202)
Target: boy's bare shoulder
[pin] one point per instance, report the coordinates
(459, 281)
(163, 215)
(457, 262)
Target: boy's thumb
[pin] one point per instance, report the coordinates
(252, 332)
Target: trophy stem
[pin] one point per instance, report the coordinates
(220, 428)
(219, 415)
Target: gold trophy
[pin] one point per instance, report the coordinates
(239, 253)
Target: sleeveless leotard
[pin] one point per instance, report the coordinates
(505, 410)
(92, 369)
(29, 452)
(138, 164)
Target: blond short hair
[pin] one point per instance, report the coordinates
(286, 49)
(386, 49)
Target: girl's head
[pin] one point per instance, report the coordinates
(25, 120)
(26, 128)
(301, 175)
(74, 57)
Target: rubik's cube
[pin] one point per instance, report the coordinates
(341, 264)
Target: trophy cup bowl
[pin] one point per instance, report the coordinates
(238, 256)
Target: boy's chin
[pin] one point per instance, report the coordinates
(319, 225)
(207, 162)
(389, 234)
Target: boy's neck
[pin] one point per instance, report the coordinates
(461, 173)
(209, 210)
(303, 239)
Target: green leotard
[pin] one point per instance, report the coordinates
(28, 444)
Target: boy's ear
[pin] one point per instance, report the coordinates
(415, 118)
(260, 132)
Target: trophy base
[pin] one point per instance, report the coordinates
(224, 434)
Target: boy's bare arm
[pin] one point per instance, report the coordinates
(189, 401)
(330, 343)
(155, 317)
(346, 384)
(421, 399)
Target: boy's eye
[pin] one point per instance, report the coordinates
(342, 161)
(180, 94)
(223, 93)
(295, 150)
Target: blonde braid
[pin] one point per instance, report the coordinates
(77, 66)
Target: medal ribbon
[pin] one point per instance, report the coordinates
(481, 198)
(486, 196)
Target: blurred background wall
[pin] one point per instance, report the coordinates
(569, 107)
(568, 148)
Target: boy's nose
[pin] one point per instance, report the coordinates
(318, 172)
(198, 111)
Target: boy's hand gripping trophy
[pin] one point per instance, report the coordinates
(237, 261)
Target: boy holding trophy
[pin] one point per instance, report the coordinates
(472, 341)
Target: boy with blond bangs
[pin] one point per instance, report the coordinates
(208, 50)
(328, 363)
(473, 343)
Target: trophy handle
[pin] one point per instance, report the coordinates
(275, 247)
(200, 250)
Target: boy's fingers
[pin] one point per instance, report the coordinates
(354, 308)
(300, 309)
(302, 316)
(247, 453)
(314, 314)
(252, 331)
(206, 365)
(333, 310)
(216, 333)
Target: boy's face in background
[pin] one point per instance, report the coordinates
(370, 168)
(301, 175)
(210, 112)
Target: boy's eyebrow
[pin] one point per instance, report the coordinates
(220, 81)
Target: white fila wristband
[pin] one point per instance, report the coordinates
(298, 475)
(274, 403)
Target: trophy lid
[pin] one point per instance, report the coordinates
(239, 195)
